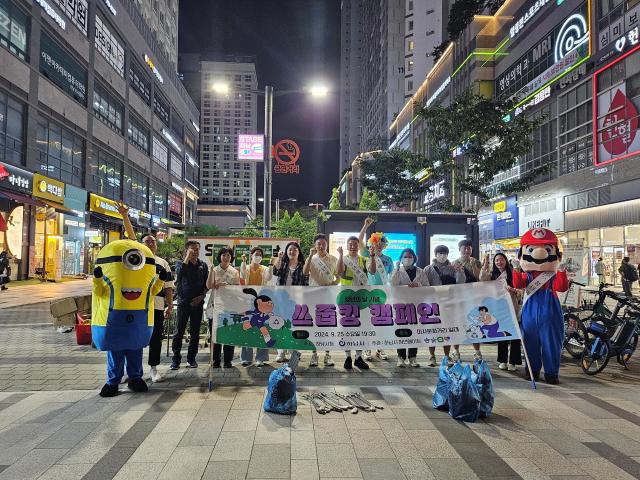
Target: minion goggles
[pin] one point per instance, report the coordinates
(132, 259)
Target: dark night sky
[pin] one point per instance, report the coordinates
(295, 42)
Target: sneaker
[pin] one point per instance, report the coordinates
(413, 363)
(381, 355)
(502, 366)
(512, 367)
(456, 356)
(477, 355)
(361, 364)
(245, 363)
(367, 355)
(551, 379)
(137, 385)
(432, 360)
(401, 363)
(215, 365)
(328, 361)
(348, 363)
(228, 365)
(259, 363)
(109, 390)
(192, 364)
(155, 376)
(314, 360)
(280, 358)
(174, 365)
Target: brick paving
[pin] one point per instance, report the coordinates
(53, 425)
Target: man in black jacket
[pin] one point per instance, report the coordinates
(191, 288)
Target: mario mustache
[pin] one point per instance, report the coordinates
(540, 261)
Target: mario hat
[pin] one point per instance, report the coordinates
(539, 236)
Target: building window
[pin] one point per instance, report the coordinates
(135, 188)
(14, 26)
(161, 108)
(177, 125)
(160, 153)
(158, 198)
(61, 153)
(106, 174)
(176, 165)
(575, 113)
(138, 134)
(109, 46)
(140, 82)
(107, 108)
(410, 45)
(60, 68)
(11, 130)
(410, 25)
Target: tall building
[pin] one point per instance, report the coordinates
(161, 16)
(227, 184)
(89, 115)
(372, 77)
(425, 28)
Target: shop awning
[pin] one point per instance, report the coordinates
(106, 219)
(16, 197)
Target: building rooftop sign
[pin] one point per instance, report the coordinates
(533, 10)
(152, 66)
(53, 14)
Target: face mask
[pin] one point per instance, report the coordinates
(442, 257)
(407, 262)
(257, 259)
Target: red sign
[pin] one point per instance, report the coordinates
(175, 203)
(286, 152)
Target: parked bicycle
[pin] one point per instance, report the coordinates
(615, 335)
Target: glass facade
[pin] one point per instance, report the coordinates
(106, 174)
(11, 130)
(61, 153)
(135, 188)
(14, 27)
(107, 108)
(138, 134)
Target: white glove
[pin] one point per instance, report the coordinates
(515, 263)
(562, 267)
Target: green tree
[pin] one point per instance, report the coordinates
(491, 138)
(369, 201)
(208, 231)
(334, 202)
(394, 176)
(172, 248)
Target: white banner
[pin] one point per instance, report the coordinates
(342, 318)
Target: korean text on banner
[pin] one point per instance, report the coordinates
(342, 318)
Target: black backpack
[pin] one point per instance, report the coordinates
(469, 277)
(632, 273)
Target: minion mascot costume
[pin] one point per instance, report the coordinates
(541, 274)
(126, 279)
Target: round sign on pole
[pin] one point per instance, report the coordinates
(286, 153)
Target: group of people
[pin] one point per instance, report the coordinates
(361, 263)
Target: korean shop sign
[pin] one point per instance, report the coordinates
(48, 188)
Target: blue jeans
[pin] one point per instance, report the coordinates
(246, 354)
(117, 360)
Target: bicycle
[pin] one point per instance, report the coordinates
(576, 324)
(613, 336)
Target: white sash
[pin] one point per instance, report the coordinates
(381, 270)
(536, 284)
(358, 273)
(327, 276)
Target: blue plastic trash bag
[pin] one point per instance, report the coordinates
(441, 394)
(281, 392)
(484, 383)
(464, 398)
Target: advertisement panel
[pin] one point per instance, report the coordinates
(449, 240)
(505, 219)
(209, 247)
(61, 69)
(615, 109)
(546, 213)
(250, 147)
(109, 46)
(398, 242)
(14, 178)
(341, 318)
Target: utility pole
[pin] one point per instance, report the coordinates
(268, 134)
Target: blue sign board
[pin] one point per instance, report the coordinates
(505, 219)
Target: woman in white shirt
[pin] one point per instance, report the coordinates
(219, 276)
(408, 274)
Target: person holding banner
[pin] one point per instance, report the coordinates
(384, 267)
(353, 270)
(219, 276)
(288, 267)
(321, 268)
(407, 274)
(509, 353)
(256, 274)
(442, 272)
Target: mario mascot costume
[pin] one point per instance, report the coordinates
(126, 279)
(541, 274)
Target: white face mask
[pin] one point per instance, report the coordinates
(407, 262)
(442, 257)
(257, 259)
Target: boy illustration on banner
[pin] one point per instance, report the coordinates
(540, 273)
(490, 325)
(262, 316)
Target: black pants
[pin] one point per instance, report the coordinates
(155, 344)
(402, 353)
(514, 356)
(626, 286)
(228, 353)
(193, 316)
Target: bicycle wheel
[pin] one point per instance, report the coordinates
(628, 350)
(595, 356)
(575, 335)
